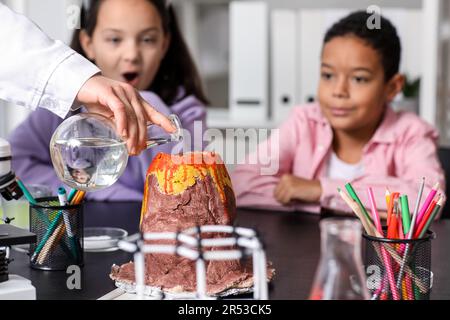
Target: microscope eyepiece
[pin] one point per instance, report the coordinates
(9, 188)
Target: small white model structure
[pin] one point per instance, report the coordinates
(189, 244)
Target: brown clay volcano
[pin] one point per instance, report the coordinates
(183, 191)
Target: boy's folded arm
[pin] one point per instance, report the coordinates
(252, 190)
(255, 180)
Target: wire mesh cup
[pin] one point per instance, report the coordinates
(398, 269)
(59, 232)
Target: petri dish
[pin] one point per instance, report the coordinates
(102, 239)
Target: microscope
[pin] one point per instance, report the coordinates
(12, 287)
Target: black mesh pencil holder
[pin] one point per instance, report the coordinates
(59, 231)
(398, 269)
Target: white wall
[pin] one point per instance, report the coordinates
(51, 17)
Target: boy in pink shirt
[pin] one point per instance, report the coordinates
(350, 135)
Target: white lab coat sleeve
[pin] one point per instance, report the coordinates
(36, 70)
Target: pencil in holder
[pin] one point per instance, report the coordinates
(398, 269)
(59, 231)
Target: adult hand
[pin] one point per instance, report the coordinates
(292, 188)
(122, 102)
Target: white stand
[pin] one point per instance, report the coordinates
(17, 288)
(3, 209)
(191, 245)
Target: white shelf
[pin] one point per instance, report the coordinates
(308, 4)
(221, 119)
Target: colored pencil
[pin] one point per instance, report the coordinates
(387, 195)
(406, 216)
(393, 225)
(392, 199)
(355, 197)
(427, 202)
(25, 191)
(373, 205)
(356, 209)
(416, 209)
(436, 210)
(428, 218)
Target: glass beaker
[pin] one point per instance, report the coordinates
(340, 275)
(87, 154)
